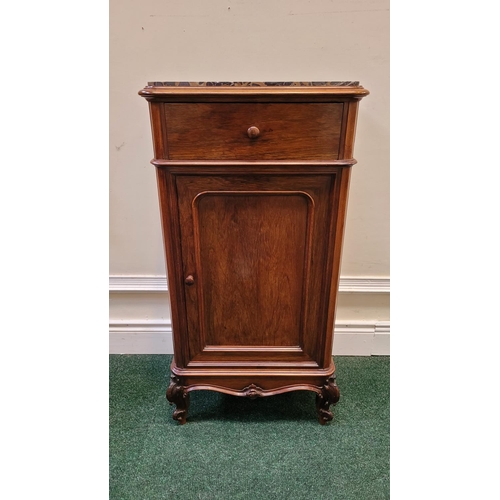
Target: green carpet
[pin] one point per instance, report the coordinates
(235, 448)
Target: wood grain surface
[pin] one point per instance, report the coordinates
(253, 185)
(219, 131)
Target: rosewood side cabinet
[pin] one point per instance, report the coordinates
(253, 181)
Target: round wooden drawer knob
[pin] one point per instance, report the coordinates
(189, 280)
(253, 132)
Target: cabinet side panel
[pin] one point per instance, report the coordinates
(167, 195)
(334, 258)
(352, 115)
(157, 116)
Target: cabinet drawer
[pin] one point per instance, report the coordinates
(253, 131)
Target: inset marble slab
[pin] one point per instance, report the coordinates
(254, 84)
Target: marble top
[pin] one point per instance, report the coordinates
(254, 84)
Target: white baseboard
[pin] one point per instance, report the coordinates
(159, 284)
(140, 338)
(362, 339)
(351, 339)
(355, 338)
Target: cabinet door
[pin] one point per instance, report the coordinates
(255, 254)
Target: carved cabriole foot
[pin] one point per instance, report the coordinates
(330, 395)
(177, 394)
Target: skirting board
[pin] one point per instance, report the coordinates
(139, 283)
(350, 339)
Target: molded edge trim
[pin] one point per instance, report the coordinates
(254, 389)
(352, 92)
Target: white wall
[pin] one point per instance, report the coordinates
(245, 40)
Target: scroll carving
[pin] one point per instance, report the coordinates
(330, 394)
(177, 394)
(253, 391)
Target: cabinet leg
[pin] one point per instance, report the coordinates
(330, 395)
(176, 394)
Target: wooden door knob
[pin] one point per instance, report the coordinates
(253, 132)
(189, 280)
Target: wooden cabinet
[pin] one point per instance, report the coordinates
(253, 182)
